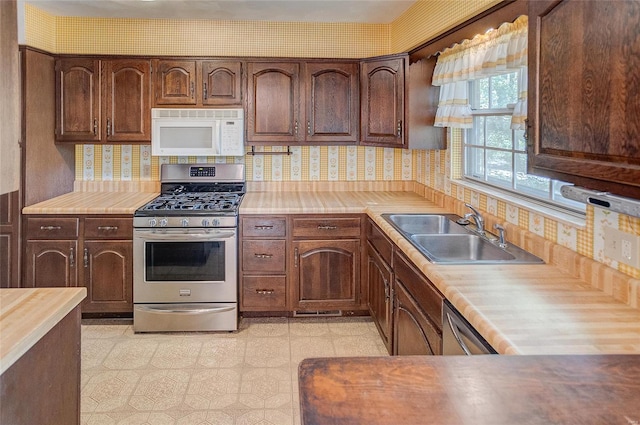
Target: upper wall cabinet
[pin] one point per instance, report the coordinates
(273, 102)
(382, 85)
(103, 101)
(197, 82)
(332, 102)
(302, 102)
(584, 93)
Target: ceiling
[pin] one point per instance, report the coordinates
(354, 11)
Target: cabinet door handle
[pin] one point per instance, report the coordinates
(204, 92)
(265, 291)
(95, 126)
(387, 295)
(295, 127)
(263, 255)
(327, 227)
(108, 127)
(295, 257)
(72, 257)
(85, 258)
(399, 128)
(526, 131)
(50, 227)
(309, 128)
(263, 227)
(107, 228)
(192, 89)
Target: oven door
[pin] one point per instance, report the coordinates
(185, 265)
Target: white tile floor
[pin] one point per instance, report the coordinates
(245, 377)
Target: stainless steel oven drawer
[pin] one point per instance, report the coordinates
(185, 317)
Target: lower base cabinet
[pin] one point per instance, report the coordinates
(417, 311)
(95, 252)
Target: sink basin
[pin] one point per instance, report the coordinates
(426, 223)
(439, 238)
(459, 248)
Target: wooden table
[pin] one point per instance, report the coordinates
(495, 390)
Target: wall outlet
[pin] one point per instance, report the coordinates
(622, 247)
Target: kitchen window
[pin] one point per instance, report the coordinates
(493, 152)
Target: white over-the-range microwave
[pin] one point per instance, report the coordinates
(197, 132)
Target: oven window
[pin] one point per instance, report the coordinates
(185, 261)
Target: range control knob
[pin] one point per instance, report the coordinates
(215, 222)
(205, 222)
(153, 222)
(163, 222)
(185, 222)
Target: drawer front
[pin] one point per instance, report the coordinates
(380, 241)
(263, 255)
(108, 228)
(330, 228)
(264, 292)
(52, 228)
(256, 227)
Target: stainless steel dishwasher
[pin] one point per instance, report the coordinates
(459, 337)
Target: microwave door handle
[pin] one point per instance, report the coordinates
(218, 141)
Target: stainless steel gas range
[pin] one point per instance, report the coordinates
(185, 257)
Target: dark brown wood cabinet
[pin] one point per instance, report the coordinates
(380, 282)
(95, 252)
(103, 100)
(417, 311)
(273, 103)
(584, 93)
(9, 236)
(312, 102)
(382, 88)
(263, 267)
(326, 263)
(197, 82)
(332, 102)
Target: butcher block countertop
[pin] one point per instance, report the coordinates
(518, 309)
(27, 314)
(477, 390)
(92, 202)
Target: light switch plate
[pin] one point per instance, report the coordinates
(622, 247)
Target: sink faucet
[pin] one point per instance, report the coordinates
(476, 217)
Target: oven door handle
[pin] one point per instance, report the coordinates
(181, 236)
(177, 310)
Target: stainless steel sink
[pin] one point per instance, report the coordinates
(441, 240)
(426, 223)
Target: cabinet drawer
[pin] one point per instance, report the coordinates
(263, 255)
(264, 292)
(330, 227)
(379, 241)
(255, 227)
(108, 228)
(52, 228)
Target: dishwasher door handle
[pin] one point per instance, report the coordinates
(456, 335)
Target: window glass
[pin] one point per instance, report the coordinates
(495, 154)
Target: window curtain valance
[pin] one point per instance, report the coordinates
(496, 52)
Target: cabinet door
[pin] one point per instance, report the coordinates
(221, 82)
(108, 276)
(333, 101)
(50, 263)
(273, 103)
(127, 100)
(325, 274)
(78, 115)
(380, 296)
(413, 333)
(382, 111)
(175, 82)
(584, 93)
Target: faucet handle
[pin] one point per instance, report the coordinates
(501, 231)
